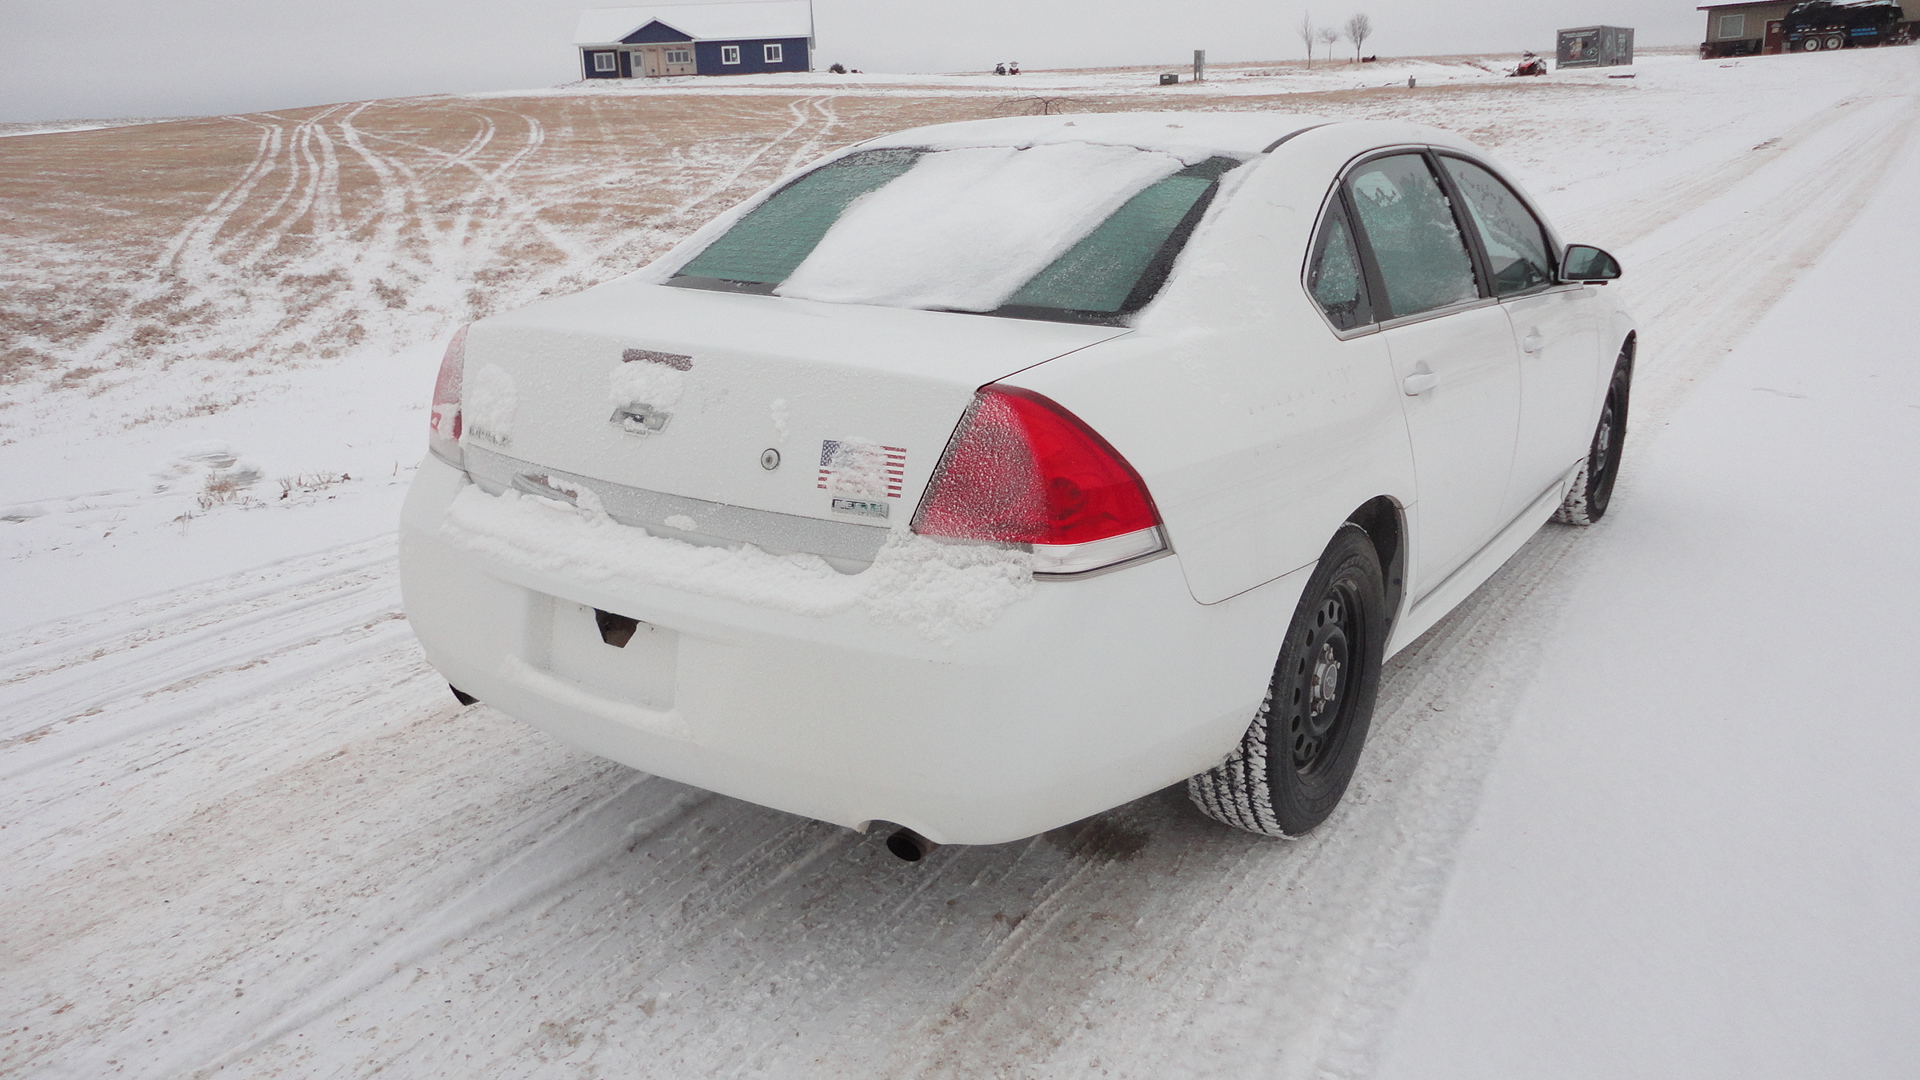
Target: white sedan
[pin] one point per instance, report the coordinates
(986, 476)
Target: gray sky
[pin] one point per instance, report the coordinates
(63, 59)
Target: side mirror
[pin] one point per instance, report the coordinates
(1588, 264)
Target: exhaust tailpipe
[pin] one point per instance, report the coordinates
(910, 846)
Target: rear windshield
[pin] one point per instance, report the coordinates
(1073, 232)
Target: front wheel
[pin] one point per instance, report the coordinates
(1294, 762)
(1592, 489)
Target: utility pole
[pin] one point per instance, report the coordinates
(1199, 65)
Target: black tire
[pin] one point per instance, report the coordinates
(1294, 762)
(1592, 489)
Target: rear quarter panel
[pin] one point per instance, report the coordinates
(1257, 429)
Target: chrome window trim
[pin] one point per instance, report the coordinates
(1442, 312)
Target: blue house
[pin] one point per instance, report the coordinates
(695, 39)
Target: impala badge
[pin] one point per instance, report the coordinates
(863, 507)
(640, 419)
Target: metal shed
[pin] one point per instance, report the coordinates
(1595, 46)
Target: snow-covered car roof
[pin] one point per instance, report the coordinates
(1191, 137)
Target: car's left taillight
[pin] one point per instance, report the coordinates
(1022, 470)
(443, 432)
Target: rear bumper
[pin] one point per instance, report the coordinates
(1079, 698)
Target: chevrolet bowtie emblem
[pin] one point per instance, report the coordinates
(640, 419)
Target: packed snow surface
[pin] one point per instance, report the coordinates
(1643, 806)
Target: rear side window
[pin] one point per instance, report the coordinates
(1408, 222)
(1514, 240)
(1334, 276)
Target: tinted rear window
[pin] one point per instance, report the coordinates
(1071, 232)
(768, 244)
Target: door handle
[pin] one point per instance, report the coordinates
(1419, 383)
(1533, 342)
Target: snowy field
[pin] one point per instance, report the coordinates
(1644, 806)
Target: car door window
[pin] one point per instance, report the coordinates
(1334, 276)
(1408, 222)
(1515, 243)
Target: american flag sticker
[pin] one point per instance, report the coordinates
(858, 467)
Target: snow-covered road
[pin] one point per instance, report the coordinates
(1697, 854)
(244, 831)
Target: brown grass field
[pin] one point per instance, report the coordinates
(290, 237)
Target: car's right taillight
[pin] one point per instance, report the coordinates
(443, 432)
(1022, 470)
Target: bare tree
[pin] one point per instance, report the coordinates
(1034, 106)
(1359, 29)
(1307, 37)
(1328, 35)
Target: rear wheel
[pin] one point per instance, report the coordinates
(1592, 489)
(1836, 41)
(1294, 762)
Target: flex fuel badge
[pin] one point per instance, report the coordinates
(863, 507)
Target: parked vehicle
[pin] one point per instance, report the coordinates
(986, 476)
(1816, 25)
(1528, 65)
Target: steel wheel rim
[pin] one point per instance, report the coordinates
(1603, 446)
(1319, 695)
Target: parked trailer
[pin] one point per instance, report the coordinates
(1595, 46)
(1820, 25)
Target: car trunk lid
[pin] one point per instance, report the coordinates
(717, 417)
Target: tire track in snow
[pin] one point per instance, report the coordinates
(802, 114)
(1695, 318)
(500, 211)
(557, 859)
(829, 118)
(57, 646)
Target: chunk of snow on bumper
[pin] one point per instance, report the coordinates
(938, 589)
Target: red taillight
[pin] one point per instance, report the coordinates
(443, 431)
(1023, 470)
